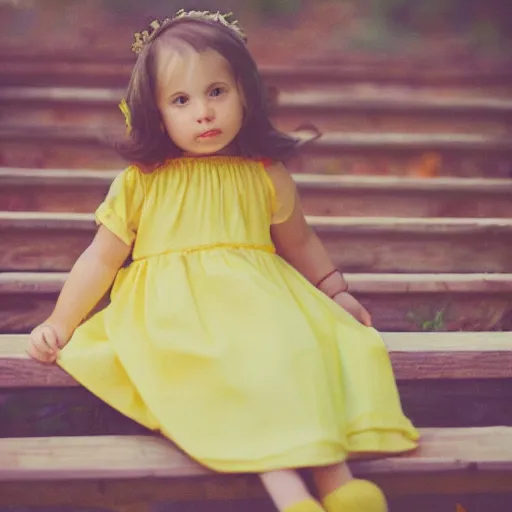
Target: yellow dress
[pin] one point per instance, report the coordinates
(215, 341)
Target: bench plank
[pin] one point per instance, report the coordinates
(415, 356)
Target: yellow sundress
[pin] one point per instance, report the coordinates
(215, 341)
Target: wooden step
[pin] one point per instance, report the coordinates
(415, 356)
(444, 380)
(341, 100)
(331, 142)
(135, 468)
(81, 191)
(32, 241)
(359, 109)
(397, 302)
(71, 70)
(454, 154)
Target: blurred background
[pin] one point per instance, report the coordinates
(450, 32)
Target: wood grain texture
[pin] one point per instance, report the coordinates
(415, 356)
(392, 109)
(49, 241)
(397, 302)
(75, 190)
(67, 69)
(332, 142)
(448, 461)
(113, 494)
(66, 154)
(383, 99)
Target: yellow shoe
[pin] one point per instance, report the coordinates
(356, 496)
(305, 506)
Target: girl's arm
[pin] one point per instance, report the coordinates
(299, 245)
(87, 282)
(89, 279)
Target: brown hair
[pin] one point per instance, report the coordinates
(149, 145)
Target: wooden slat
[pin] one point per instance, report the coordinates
(415, 356)
(410, 142)
(364, 114)
(102, 470)
(49, 282)
(32, 241)
(91, 155)
(69, 190)
(397, 302)
(71, 70)
(333, 142)
(309, 100)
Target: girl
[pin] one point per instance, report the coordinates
(230, 332)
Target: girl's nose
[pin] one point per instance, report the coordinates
(207, 118)
(205, 115)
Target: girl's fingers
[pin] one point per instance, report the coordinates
(40, 345)
(43, 357)
(50, 338)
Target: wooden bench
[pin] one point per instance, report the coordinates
(130, 472)
(81, 191)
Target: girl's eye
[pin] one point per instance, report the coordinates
(180, 100)
(216, 92)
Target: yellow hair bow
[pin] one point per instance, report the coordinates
(125, 109)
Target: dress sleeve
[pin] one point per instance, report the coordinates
(121, 209)
(284, 192)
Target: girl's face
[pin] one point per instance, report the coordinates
(201, 105)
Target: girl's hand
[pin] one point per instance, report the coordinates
(354, 307)
(45, 342)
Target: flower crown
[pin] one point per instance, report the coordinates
(142, 39)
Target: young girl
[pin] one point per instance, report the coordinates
(230, 331)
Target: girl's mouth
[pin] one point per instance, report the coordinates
(210, 133)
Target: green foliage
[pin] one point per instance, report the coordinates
(429, 323)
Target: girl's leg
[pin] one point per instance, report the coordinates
(329, 478)
(288, 491)
(340, 492)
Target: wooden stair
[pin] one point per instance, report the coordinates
(62, 68)
(53, 241)
(464, 155)
(415, 356)
(117, 469)
(404, 302)
(81, 191)
(341, 108)
(430, 258)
